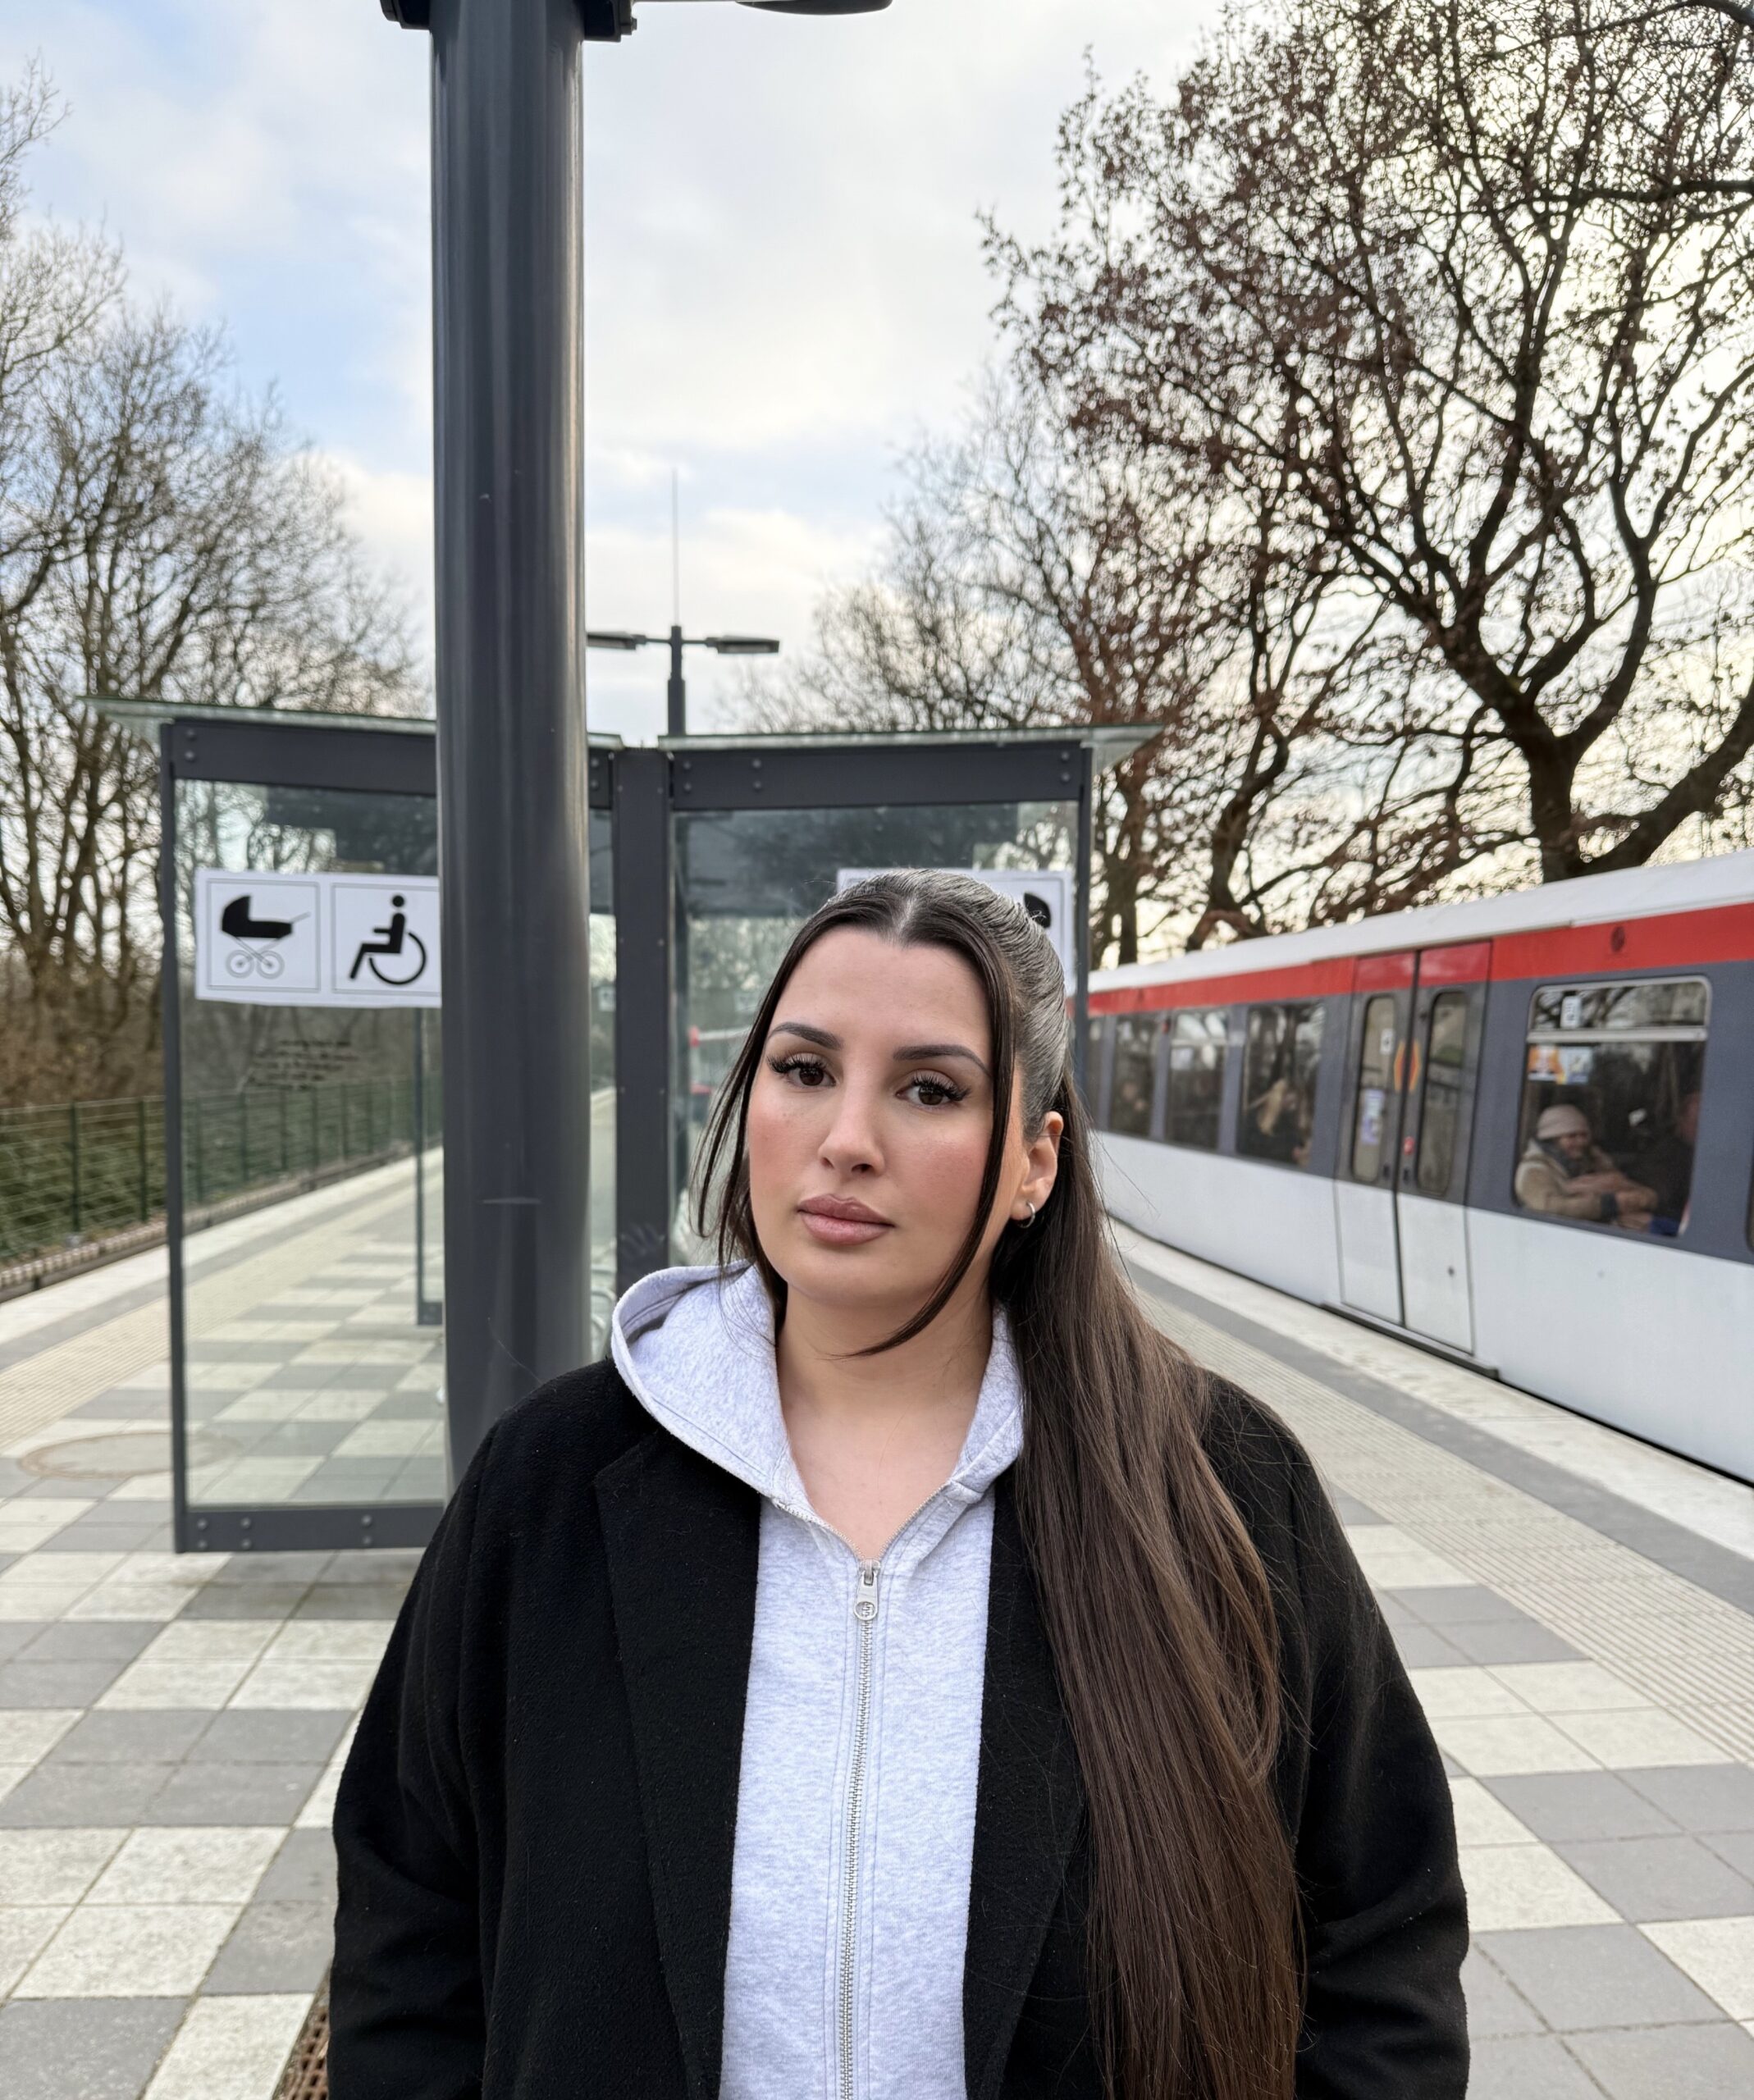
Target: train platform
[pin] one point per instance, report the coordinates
(1577, 1610)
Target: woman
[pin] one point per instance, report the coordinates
(897, 1673)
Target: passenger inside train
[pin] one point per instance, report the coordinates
(1564, 1173)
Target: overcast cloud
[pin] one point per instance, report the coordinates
(784, 281)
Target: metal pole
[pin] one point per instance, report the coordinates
(514, 817)
(678, 687)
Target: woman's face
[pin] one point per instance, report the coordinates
(868, 1122)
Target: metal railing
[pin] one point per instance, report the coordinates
(83, 1169)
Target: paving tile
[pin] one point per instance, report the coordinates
(1394, 1559)
(159, 1737)
(305, 1684)
(17, 1634)
(178, 1685)
(1589, 1976)
(1718, 1953)
(276, 1736)
(276, 1947)
(1491, 1745)
(55, 1684)
(1703, 1798)
(53, 1866)
(1526, 1889)
(1350, 1510)
(74, 2050)
(1559, 1805)
(330, 1640)
(1529, 2067)
(392, 1566)
(131, 1950)
(1735, 1848)
(1509, 1641)
(1557, 1688)
(272, 1601)
(28, 1733)
(57, 1795)
(24, 1931)
(1481, 1818)
(1670, 2063)
(187, 1865)
(230, 2049)
(222, 1641)
(1496, 2008)
(302, 1871)
(1651, 1879)
(1462, 1604)
(1639, 1739)
(350, 1601)
(114, 1640)
(224, 1793)
(1422, 1647)
(1446, 1694)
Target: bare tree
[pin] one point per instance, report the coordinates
(1422, 265)
(160, 537)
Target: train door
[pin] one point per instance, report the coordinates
(1364, 1191)
(1431, 1175)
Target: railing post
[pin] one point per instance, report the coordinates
(73, 1167)
(141, 1161)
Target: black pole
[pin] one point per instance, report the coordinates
(513, 820)
(678, 687)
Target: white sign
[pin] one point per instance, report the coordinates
(285, 940)
(1049, 896)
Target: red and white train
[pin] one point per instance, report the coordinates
(1520, 1131)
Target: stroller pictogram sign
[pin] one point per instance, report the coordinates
(261, 936)
(266, 939)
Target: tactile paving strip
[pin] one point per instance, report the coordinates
(1683, 1648)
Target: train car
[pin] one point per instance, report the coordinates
(1519, 1131)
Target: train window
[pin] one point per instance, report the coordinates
(1610, 1102)
(1373, 1122)
(1198, 1043)
(1279, 1083)
(1132, 1084)
(1440, 1111)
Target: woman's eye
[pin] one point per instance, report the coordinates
(804, 1071)
(930, 1092)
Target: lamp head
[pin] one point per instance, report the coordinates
(742, 645)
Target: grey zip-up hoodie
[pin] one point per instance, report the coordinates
(861, 1734)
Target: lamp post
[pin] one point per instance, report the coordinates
(507, 251)
(721, 645)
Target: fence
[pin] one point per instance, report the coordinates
(89, 1168)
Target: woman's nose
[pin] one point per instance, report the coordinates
(850, 1142)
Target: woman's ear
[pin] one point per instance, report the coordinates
(1042, 1155)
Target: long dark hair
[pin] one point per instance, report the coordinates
(1156, 1604)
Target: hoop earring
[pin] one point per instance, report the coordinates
(1023, 1225)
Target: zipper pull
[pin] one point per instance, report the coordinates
(865, 1606)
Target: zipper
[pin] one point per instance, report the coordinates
(864, 1611)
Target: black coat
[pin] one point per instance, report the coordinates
(536, 1824)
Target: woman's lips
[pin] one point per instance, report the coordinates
(839, 1221)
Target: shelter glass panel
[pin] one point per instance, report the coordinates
(1280, 1066)
(746, 880)
(1611, 1103)
(311, 1171)
(1130, 1095)
(1199, 1047)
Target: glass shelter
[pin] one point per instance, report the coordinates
(304, 1082)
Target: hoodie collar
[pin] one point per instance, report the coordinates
(696, 1347)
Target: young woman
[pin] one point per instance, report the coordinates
(897, 1673)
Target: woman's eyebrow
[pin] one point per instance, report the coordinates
(911, 1053)
(802, 1030)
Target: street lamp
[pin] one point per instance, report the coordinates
(721, 645)
(508, 309)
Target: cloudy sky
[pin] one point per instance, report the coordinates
(784, 280)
